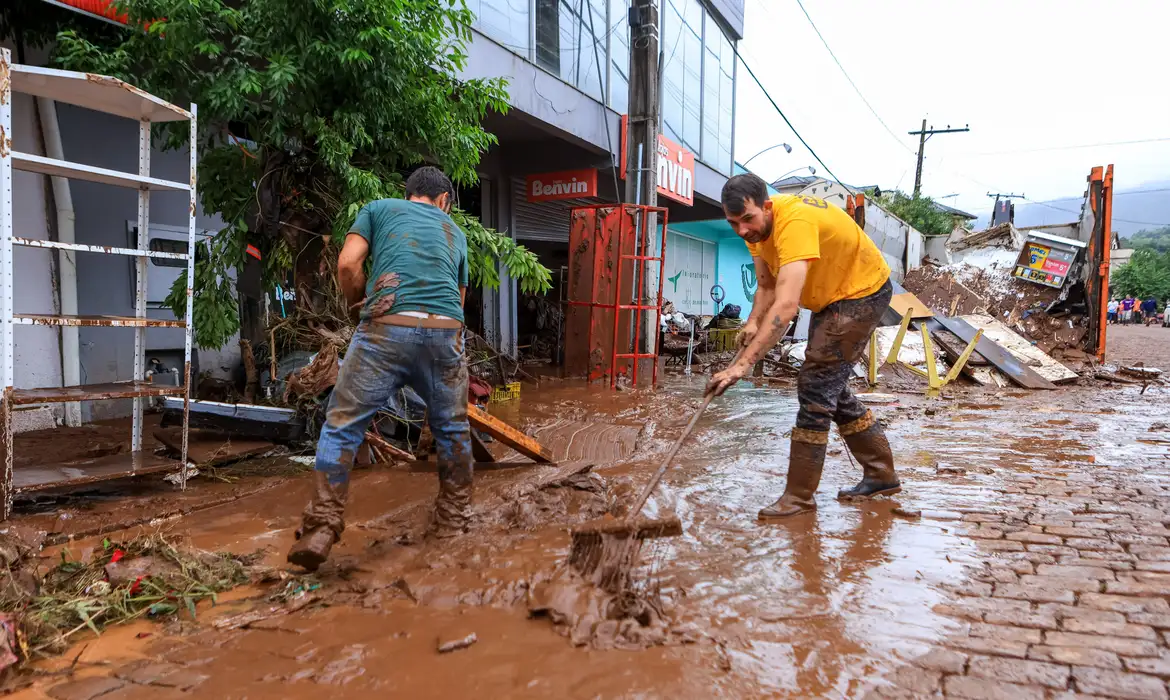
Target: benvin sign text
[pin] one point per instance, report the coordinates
(566, 184)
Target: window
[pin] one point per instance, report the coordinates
(506, 21)
(571, 41)
(697, 83)
(718, 97)
(619, 55)
(166, 245)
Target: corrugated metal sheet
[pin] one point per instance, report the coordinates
(541, 221)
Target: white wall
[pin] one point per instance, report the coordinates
(37, 355)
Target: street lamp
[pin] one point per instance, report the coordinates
(787, 149)
(811, 171)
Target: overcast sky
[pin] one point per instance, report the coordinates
(1025, 75)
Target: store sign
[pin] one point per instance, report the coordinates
(1044, 264)
(566, 184)
(676, 172)
(101, 8)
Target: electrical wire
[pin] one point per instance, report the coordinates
(1061, 148)
(752, 73)
(851, 83)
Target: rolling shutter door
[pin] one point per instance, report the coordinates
(541, 221)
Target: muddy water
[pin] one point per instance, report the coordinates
(820, 606)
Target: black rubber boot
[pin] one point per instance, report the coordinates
(806, 461)
(868, 444)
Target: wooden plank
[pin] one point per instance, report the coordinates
(1022, 348)
(901, 303)
(92, 392)
(508, 435)
(211, 449)
(994, 353)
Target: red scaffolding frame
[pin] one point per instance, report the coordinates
(593, 234)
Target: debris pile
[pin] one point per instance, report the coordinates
(144, 577)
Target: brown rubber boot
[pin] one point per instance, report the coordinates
(868, 444)
(806, 460)
(452, 514)
(321, 524)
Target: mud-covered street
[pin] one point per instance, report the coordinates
(1026, 557)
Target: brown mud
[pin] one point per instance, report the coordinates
(831, 603)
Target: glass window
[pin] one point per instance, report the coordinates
(682, 73)
(619, 55)
(718, 100)
(566, 45)
(506, 21)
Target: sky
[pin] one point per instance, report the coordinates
(1024, 75)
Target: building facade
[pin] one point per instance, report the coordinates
(566, 62)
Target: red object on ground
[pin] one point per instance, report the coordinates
(118, 554)
(478, 391)
(137, 585)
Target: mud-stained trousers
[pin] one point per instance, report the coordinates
(837, 337)
(381, 359)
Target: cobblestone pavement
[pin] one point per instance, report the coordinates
(1069, 572)
(1138, 344)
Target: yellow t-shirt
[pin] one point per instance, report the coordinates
(845, 262)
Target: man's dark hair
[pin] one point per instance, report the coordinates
(741, 187)
(430, 182)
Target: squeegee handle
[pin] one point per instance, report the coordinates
(653, 483)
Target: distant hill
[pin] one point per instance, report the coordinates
(1152, 207)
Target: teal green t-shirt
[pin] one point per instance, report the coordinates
(419, 259)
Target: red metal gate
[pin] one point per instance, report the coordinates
(602, 295)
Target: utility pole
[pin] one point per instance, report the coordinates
(642, 141)
(924, 135)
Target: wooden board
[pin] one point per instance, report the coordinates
(1022, 348)
(90, 471)
(1003, 360)
(900, 303)
(209, 449)
(508, 435)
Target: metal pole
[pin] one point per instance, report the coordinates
(140, 283)
(6, 276)
(190, 327)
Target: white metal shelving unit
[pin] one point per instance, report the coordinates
(112, 96)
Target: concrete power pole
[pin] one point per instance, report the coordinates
(642, 139)
(924, 135)
(642, 151)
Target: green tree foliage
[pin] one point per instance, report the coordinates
(1154, 239)
(919, 212)
(1147, 273)
(307, 111)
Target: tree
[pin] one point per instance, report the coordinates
(307, 110)
(1147, 273)
(1154, 239)
(920, 212)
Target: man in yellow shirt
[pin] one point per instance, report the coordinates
(809, 253)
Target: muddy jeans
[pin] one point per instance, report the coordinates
(383, 358)
(837, 338)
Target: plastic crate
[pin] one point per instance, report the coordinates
(507, 392)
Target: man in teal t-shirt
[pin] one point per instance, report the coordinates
(410, 334)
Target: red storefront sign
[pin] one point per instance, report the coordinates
(101, 8)
(676, 166)
(564, 184)
(676, 172)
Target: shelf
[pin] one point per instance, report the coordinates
(76, 171)
(97, 92)
(93, 392)
(82, 247)
(99, 321)
(88, 471)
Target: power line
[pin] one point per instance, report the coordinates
(1061, 148)
(853, 84)
(752, 73)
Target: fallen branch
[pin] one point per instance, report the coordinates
(378, 442)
